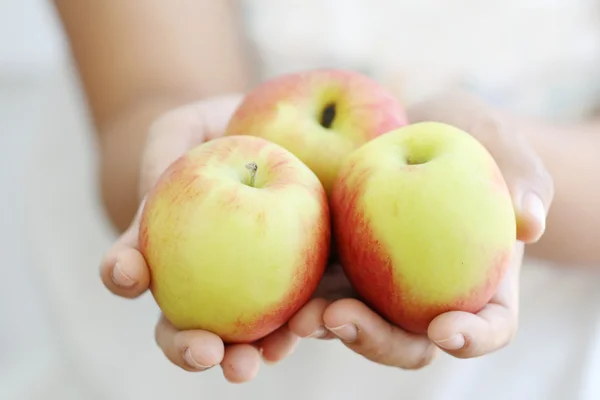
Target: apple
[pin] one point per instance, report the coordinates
(319, 115)
(236, 234)
(423, 222)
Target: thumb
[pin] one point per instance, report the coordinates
(368, 334)
(532, 190)
(531, 216)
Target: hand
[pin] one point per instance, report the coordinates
(125, 273)
(334, 312)
(460, 334)
(531, 186)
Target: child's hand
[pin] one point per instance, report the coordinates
(124, 270)
(461, 334)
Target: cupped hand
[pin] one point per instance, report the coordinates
(125, 273)
(334, 311)
(338, 313)
(531, 186)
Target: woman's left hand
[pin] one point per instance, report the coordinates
(460, 334)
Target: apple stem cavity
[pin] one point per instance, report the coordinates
(252, 167)
(328, 115)
(416, 160)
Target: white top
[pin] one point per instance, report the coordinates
(536, 56)
(64, 337)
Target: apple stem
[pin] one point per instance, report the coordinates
(253, 168)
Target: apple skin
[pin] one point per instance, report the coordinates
(227, 257)
(424, 223)
(288, 110)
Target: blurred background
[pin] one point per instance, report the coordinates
(49, 215)
(62, 336)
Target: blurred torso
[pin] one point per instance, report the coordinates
(536, 56)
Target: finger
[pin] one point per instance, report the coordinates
(278, 345)
(192, 350)
(308, 322)
(366, 333)
(531, 209)
(125, 273)
(241, 363)
(467, 335)
(124, 270)
(529, 182)
(532, 189)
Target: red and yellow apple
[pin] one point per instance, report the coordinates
(319, 115)
(423, 223)
(236, 234)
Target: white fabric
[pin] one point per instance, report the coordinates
(62, 336)
(536, 56)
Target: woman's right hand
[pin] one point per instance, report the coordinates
(125, 273)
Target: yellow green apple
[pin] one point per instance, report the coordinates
(319, 115)
(423, 223)
(236, 234)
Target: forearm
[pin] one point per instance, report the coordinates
(136, 63)
(125, 52)
(571, 153)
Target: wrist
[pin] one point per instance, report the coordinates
(121, 142)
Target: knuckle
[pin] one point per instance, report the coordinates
(168, 349)
(384, 349)
(546, 182)
(422, 360)
(400, 353)
(375, 353)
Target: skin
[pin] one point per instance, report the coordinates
(555, 158)
(288, 110)
(135, 65)
(333, 312)
(424, 223)
(140, 94)
(248, 254)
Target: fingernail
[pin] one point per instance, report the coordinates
(319, 333)
(454, 342)
(189, 359)
(120, 278)
(532, 204)
(266, 360)
(347, 333)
